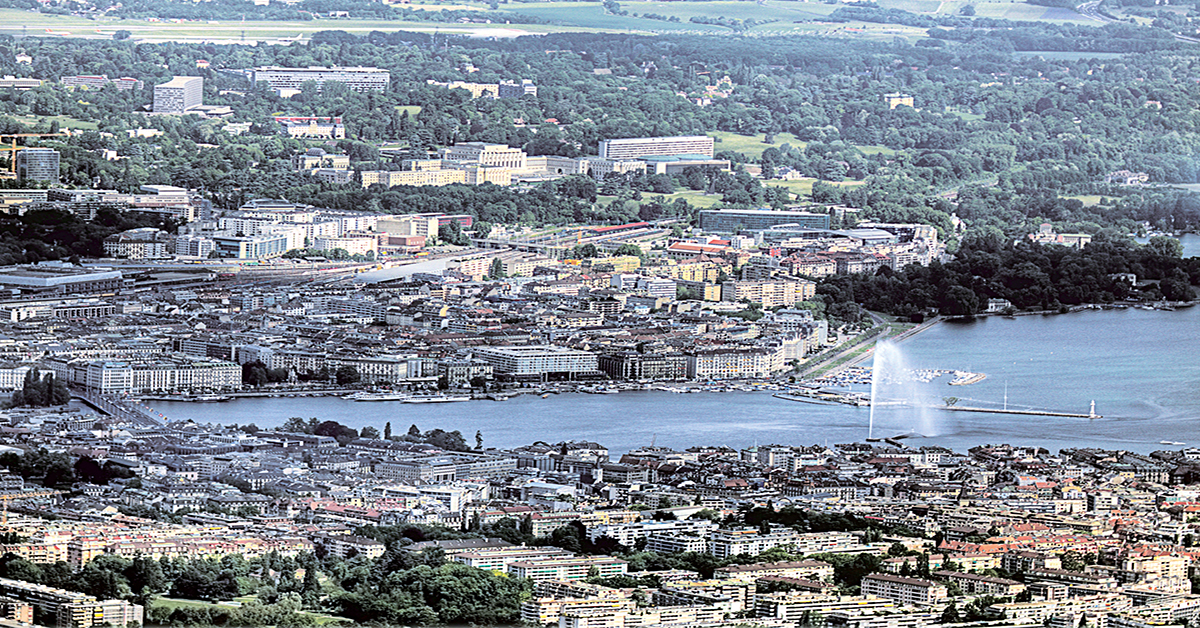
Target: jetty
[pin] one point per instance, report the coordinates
(1071, 415)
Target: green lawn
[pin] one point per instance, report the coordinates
(693, 197)
(966, 115)
(65, 122)
(411, 109)
(803, 187)
(1089, 200)
(751, 146)
(588, 15)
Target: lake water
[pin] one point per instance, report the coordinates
(1140, 367)
(1190, 241)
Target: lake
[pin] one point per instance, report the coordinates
(1139, 367)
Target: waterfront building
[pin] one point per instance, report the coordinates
(162, 373)
(733, 363)
(538, 360)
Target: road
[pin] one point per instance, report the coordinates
(1091, 10)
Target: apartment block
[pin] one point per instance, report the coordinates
(568, 569)
(904, 591)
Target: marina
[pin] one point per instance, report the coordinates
(1141, 402)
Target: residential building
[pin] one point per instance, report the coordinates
(904, 591)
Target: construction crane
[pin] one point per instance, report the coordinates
(12, 158)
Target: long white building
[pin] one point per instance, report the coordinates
(359, 79)
(537, 359)
(635, 147)
(178, 373)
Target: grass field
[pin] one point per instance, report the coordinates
(1088, 200)
(793, 18)
(803, 187)
(411, 109)
(752, 146)
(590, 15)
(65, 122)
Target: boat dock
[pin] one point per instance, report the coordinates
(1070, 415)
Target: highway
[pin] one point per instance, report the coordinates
(1091, 10)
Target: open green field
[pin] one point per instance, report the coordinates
(411, 109)
(17, 23)
(1088, 200)
(1069, 56)
(593, 16)
(752, 146)
(803, 187)
(792, 18)
(64, 122)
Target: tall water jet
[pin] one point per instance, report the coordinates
(893, 385)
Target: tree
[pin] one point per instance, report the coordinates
(628, 249)
(497, 270)
(1165, 246)
(342, 433)
(122, 35)
(950, 615)
(346, 375)
(387, 431)
(369, 432)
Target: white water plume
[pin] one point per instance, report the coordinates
(902, 400)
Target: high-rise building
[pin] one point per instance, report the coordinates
(358, 79)
(635, 147)
(734, 220)
(179, 94)
(37, 164)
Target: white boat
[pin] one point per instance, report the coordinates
(367, 396)
(436, 398)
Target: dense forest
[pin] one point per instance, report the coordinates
(1029, 276)
(1008, 134)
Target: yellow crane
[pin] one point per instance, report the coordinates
(12, 158)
